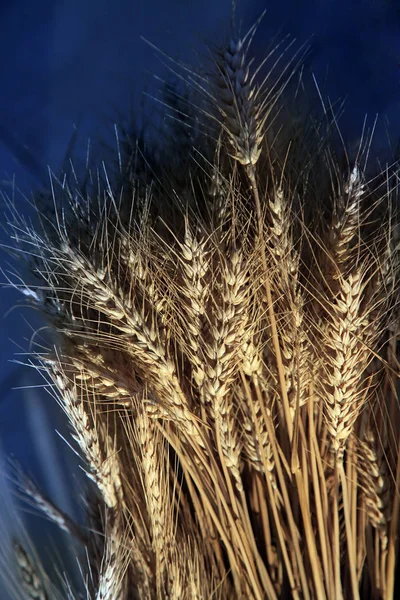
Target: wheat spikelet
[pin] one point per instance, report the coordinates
(112, 582)
(31, 582)
(374, 481)
(349, 338)
(225, 351)
(93, 441)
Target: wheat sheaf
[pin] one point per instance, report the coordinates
(225, 319)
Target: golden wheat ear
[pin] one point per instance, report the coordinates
(225, 350)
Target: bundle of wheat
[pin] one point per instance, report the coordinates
(225, 325)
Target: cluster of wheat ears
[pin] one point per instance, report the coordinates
(225, 319)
